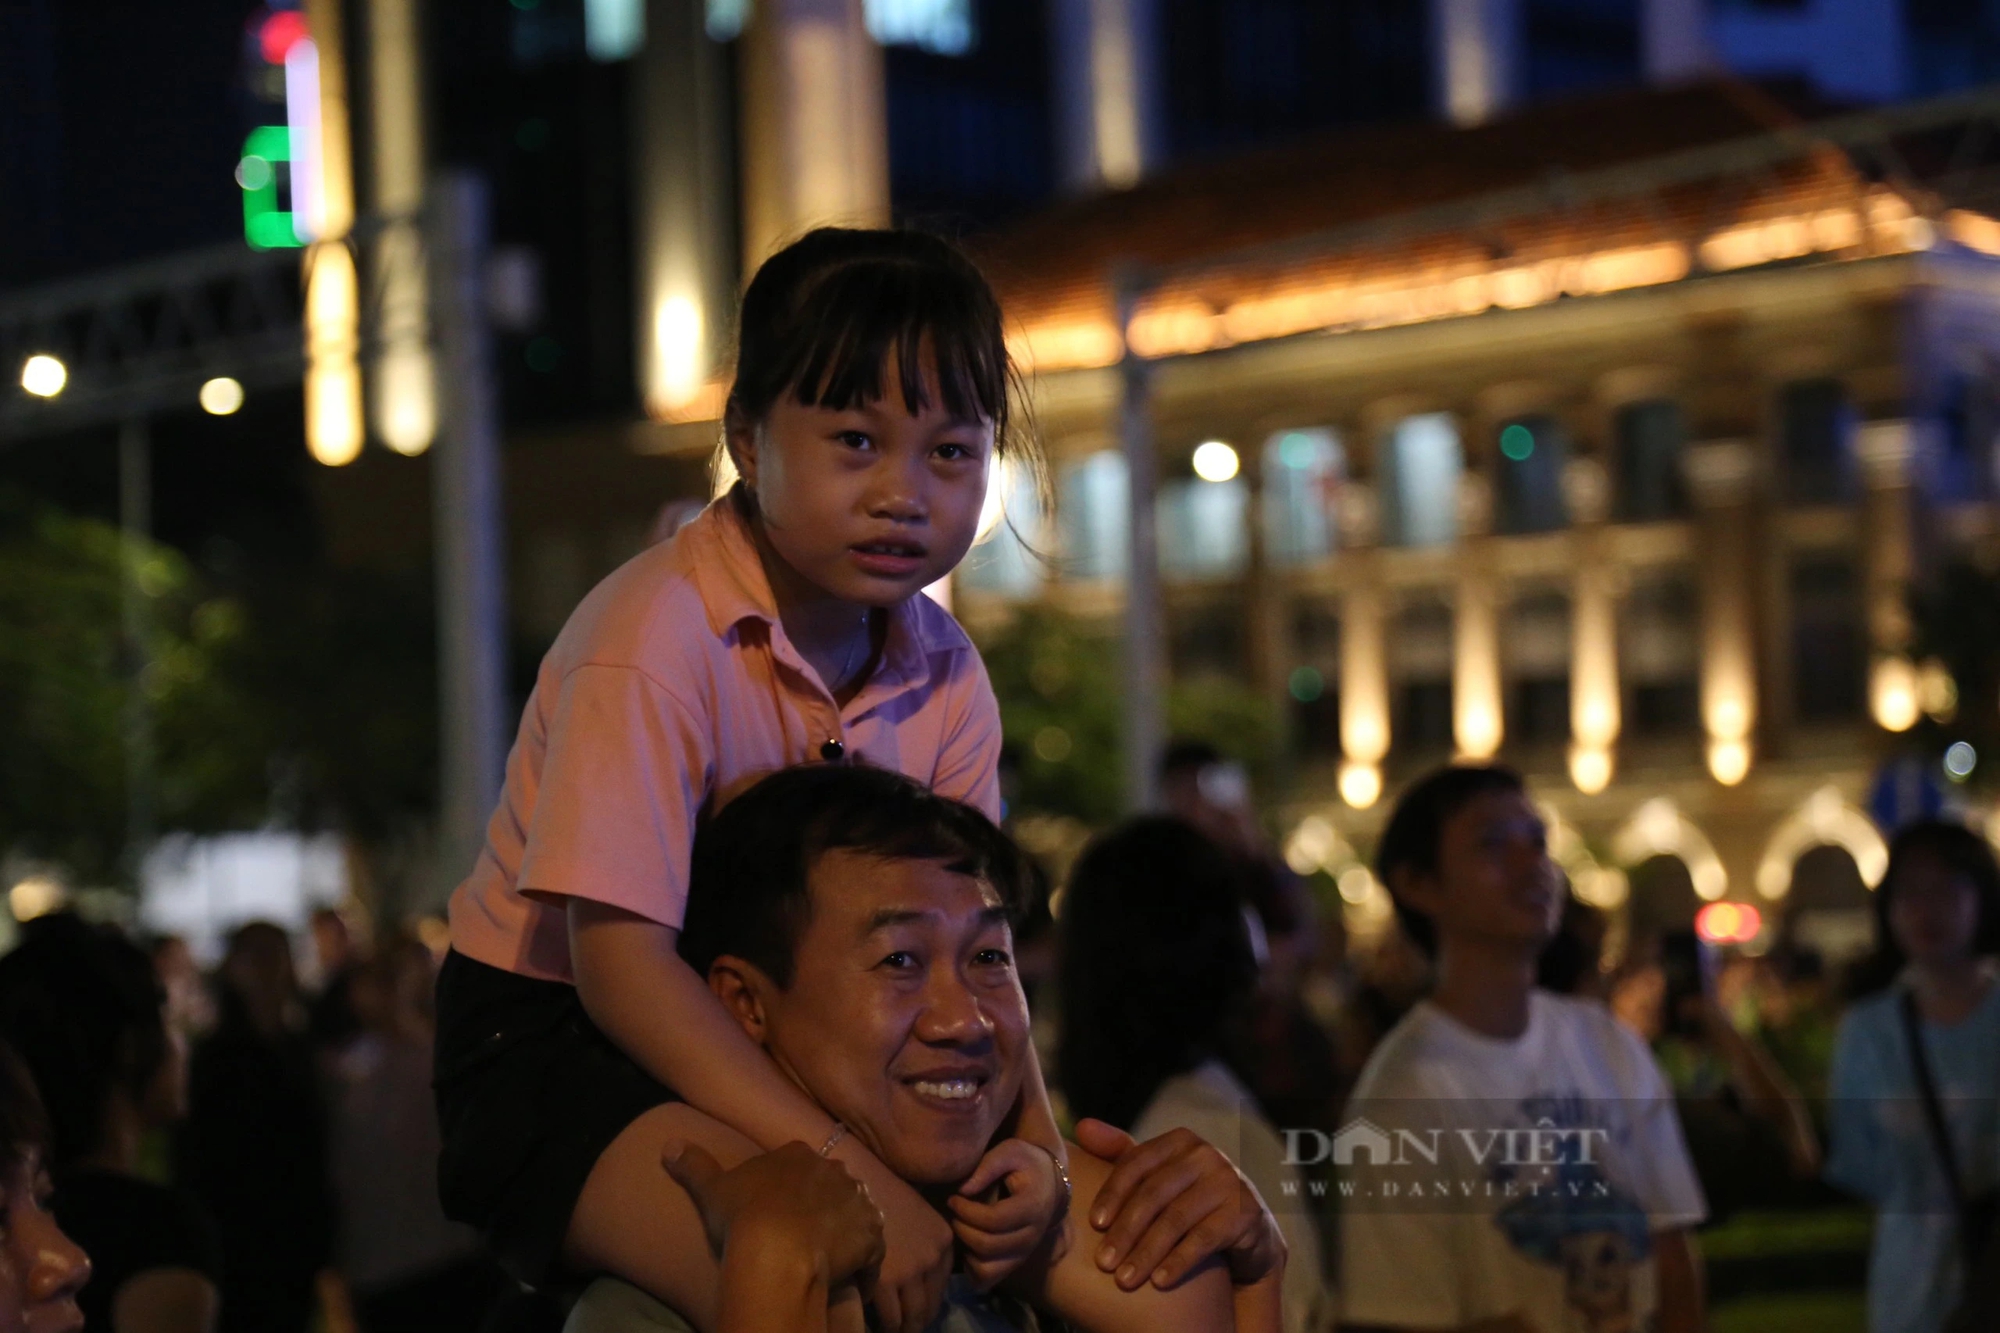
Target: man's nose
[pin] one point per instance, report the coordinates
(953, 1014)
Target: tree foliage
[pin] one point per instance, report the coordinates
(1060, 685)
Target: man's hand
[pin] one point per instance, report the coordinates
(789, 1197)
(1172, 1202)
(909, 1284)
(1000, 1235)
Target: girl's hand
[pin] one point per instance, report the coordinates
(789, 1199)
(1170, 1203)
(999, 1234)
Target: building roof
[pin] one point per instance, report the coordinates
(1390, 225)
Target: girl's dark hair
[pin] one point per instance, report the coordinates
(1414, 835)
(1155, 963)
(82, 1007)
(825, 316)
(1960, 851)
(24, 1125)
(748, 889)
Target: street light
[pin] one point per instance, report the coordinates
(221, 396)
(1215, 461)
(43, 376)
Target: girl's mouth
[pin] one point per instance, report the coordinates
(889, 560)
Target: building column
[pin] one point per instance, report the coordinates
(1888, 561)
(1364, 678)
(1266, 608)
(682, 242)
(1594, 707)
(402, 388)
(1478, 712)
(1107, 89)
(1720, 474)
(1477, 57)
(815, 124)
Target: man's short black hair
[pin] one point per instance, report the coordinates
(1413, 838)
(747, 889)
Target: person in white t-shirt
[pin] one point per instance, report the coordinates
(1510, 1160)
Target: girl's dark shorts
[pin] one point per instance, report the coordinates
(529, 1095)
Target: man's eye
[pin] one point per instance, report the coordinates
(993, 958)
(900, 961)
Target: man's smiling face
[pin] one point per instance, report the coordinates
(905, 1018)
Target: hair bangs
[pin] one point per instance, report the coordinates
(886, 324)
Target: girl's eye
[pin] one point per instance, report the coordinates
(854, 439)
(954, 452)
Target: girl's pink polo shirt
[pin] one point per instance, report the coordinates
(671, 689)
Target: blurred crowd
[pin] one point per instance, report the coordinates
(236, 1150)
(254, 1147)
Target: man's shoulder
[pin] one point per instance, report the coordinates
(1587, 1029)
(1411, 1061)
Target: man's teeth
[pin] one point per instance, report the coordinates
(951, 1089)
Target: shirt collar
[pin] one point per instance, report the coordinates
(722, 552)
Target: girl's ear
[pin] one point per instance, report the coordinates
(741, 986)
(739, 437)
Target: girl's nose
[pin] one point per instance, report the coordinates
(59, 1269)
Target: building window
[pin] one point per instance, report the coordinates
(1528, 493)
(1421, 465)
(1651, 437)
(1816, 442)
(1203, 532)
(1967, 467)
(1008, 563)
(1303, 473)
(1096, 506)
(1536, 645)
(1659, 637)
(1420, 663)
(1829, 649)
(1314, 680)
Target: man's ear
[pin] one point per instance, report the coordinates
(1417, 889)
(742, 987)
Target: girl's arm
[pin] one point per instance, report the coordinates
(642, 994)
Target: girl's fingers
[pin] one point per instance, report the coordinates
(1003, 1216)
(993, 1168)
(1134, 1166)
(995, 1245)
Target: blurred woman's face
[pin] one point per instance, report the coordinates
(41, 1270)
(1933, 912)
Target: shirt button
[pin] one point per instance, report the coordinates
(832, 751)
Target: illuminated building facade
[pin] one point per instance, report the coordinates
(1616, 476)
